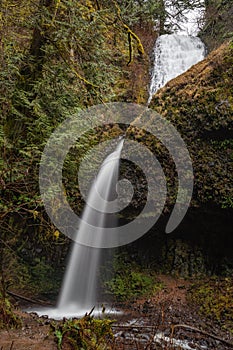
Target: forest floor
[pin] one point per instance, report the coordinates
(145, 324)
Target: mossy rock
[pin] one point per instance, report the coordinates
(199, 104)
(214, 297)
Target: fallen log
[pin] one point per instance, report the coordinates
(29, 300)
(133, 326)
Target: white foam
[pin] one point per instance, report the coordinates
(183, 344)
(73, 311)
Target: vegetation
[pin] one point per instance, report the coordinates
(8, 317)
(130, 281)
(218, 25)
(86, 333)
(214, 297)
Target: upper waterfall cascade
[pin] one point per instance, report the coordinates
(175, 53)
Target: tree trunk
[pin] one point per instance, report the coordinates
(162, 17)
(39, 39)
(30, 72)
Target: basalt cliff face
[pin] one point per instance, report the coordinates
(199, 104)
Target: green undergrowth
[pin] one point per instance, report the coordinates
(214, 296)
(86, 333)
(8, 317)
(44, 278)
(131, 281)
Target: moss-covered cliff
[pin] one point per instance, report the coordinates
(200, 104)
(78, 56)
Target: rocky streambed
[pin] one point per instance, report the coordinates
(164, 321)
(168, 321)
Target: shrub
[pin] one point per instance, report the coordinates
(130, 280)
(8, 318)
(85, 333)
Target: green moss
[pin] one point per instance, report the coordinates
(44, 279)
(8, 317)
(215, 300)
(199, 104)
(131, 281)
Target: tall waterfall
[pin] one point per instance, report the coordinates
(176, 53)
(79, 287)
(78, 292)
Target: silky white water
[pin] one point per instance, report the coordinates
(78, 292)
(175, 53)
(79, 285)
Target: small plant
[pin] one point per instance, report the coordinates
(8, 318)
(43, 280)
(86, 333)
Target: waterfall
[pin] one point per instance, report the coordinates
(175, 53)
(79, 287)
(78, 292)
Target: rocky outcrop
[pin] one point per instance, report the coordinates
(199, 104)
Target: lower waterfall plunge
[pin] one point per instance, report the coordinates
(79, 285)
(78, 292)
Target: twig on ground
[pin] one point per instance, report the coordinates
(132, 326)
(202, 332)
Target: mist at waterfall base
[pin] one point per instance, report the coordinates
(78, 293)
